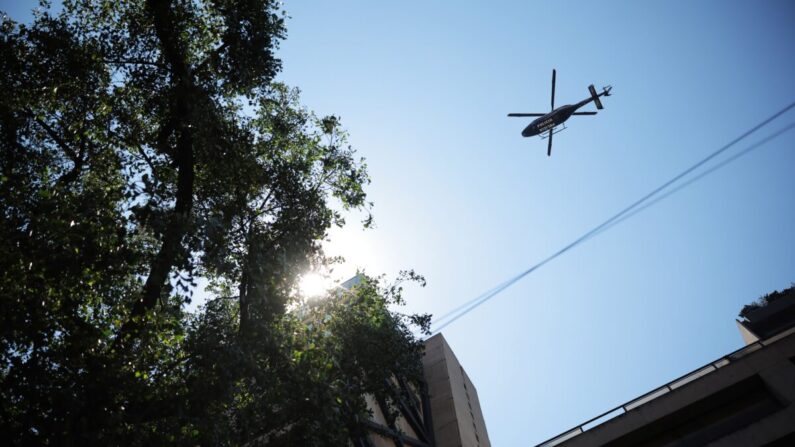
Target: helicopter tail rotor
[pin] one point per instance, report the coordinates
(595, 97)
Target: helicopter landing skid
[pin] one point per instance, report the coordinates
(557, 129)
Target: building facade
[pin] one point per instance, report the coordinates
(745, 398)
(457, 417)
(443, 412)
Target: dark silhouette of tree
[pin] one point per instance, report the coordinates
(145, 144)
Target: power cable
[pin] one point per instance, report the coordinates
(703, 174)
(462, 306)
(467, 307)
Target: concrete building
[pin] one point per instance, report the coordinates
(444, 412)
(457, 418)
(746, 398)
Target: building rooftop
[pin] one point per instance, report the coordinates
(769, 315)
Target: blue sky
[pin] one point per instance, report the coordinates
(460, 196)
(424, 87)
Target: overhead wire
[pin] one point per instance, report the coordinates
(462, 306)
(701, 175)
(470, 305)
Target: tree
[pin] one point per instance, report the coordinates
(321, 362)
(144, 143)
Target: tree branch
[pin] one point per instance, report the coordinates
(55, 137)
(210, 57)
(184, 92)
(78, 158)
(133, 62)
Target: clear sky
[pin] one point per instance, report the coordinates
(461, 197)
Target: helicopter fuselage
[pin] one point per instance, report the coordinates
(552, 119)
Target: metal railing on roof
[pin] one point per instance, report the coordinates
(665, 389)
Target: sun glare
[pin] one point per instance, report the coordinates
(313, 284)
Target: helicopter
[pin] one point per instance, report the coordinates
(547, 124)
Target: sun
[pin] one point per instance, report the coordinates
(313, 285)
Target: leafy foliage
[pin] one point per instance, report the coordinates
(321, 362)
(145, 144)
(767, 299)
